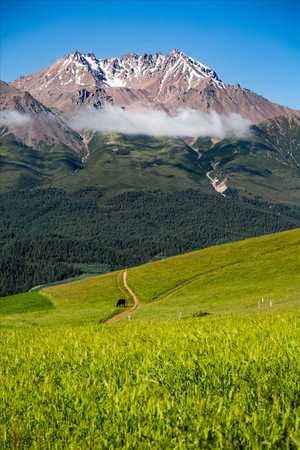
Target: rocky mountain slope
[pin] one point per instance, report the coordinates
(32, 123)
(169, 82)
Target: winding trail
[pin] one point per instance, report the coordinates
(133, 296)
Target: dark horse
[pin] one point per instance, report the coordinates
(121, 302)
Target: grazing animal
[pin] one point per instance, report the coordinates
(200, 314)
(121, 303)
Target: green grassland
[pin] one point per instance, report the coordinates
(225, 279)
(91, 300)
(24, 303)
(218, 384)
(168, 377)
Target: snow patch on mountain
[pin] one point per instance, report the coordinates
(125, 69)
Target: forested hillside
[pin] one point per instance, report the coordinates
(47, 235)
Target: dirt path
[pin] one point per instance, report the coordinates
(136, 302)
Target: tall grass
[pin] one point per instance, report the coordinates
(202, 383)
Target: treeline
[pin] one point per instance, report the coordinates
(46, 235)
(21, 274)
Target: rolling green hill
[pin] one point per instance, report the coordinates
(227, 279)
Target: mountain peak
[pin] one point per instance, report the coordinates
(177, 52)
(77, 53)
(73, 56)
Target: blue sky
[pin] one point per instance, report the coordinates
(252, 42)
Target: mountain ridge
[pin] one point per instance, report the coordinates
(156, 81)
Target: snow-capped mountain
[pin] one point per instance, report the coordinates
(131, 71)
(156, 81)
(146, 70)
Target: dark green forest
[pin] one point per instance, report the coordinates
(50, 234)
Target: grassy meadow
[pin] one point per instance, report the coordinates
(219, 383)
(86, 301)
(168, 377)
(232, 278)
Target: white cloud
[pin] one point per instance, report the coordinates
(13, 118)
(186, 122)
